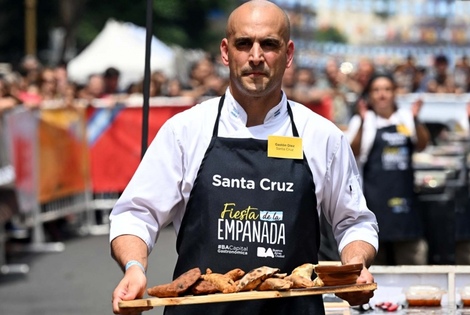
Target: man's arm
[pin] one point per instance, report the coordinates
(357, 140)
(358, 252)
(125, 248)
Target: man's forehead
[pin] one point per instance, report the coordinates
(256, 30)
(258, 21)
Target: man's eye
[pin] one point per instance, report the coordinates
(270, 44)
(243, 44)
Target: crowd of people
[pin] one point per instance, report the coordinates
(32, 84)
(331, 91)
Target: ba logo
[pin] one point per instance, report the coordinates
(265, 252)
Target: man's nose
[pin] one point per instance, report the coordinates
(256, 54)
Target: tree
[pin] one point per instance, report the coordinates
(70, 12)
(187, 23)
(12, 24)
(11, 41)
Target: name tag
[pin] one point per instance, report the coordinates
(403, 130)
(285, 147)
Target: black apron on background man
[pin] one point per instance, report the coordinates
(248, 210)
(388, 185)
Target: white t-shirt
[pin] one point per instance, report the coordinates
(158, 192)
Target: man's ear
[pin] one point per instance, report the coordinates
(290, 53)
(224, 51)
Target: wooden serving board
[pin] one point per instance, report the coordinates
(243, 296)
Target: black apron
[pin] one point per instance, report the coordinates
(247, 210)
(389, 186)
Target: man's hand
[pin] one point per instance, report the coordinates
(362, 108)
(353, 253)
(359, 297)
(416, 107)
(131, 287)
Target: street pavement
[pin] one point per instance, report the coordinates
(79, 280)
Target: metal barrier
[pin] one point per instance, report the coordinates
(48, 150)
(102, 204)
(7, 178)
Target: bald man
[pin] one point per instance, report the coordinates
(233, 202)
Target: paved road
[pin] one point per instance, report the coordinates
(79, 280)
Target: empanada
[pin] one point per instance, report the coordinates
(254, 278)
(222, 282)
(299, 281)
(305, 271)
(271, 284)
(178, 286)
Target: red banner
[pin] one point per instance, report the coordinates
(115, 136)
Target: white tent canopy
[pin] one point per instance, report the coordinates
(121, 45)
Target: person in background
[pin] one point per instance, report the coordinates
(29, 70)
(304, 92)
(383, 139)
(441, 81)
(30, 95)
(211, 161)
(332, 83)
(358, 79)
(157, 85)
(111, 81)
(419, 83)
(404, 74)
(47, 83)
(7, 99)
(203, 80)
(462, 75)
(69, 95)
(61, 77)
(174, 88)
(93, 89)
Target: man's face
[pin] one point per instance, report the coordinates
(256, 53)
(441, 67)
(382, 94)
(96, 85)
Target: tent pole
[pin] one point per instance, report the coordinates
(146, 87)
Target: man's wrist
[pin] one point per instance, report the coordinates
(131, 263)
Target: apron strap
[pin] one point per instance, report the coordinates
(216, 125)
(295, 133)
